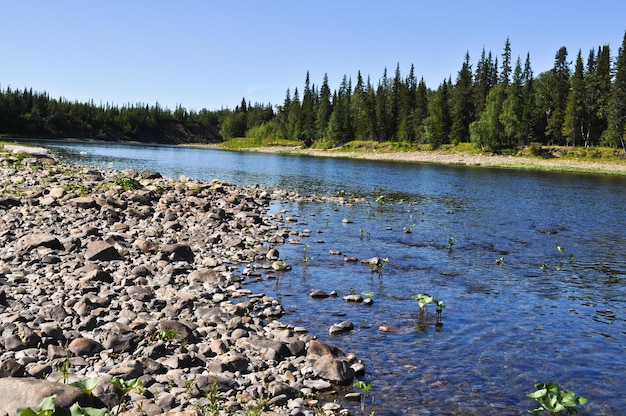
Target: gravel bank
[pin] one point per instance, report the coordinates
(128, 275)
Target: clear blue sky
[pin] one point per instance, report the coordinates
(210, 54)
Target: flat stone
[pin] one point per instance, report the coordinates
(32, 241)
(101, 250)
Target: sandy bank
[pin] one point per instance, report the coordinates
(456, 158)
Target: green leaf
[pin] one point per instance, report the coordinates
(537, 394)
(27, 411)
(45, 408)
(76, 410)
(86, 386)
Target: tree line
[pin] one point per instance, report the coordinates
(498, 104)
(35, 114)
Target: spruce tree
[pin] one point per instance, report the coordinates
(512, 108)
(324, 109)
(307, 134)
(357, 108)
(575, 123)
(438, 124)
(617, 103)
(463, 107)
(383, 112)
(420, 113)
(559, 90)
(506, 63)
(529, 107)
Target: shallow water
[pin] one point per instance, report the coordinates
(518, 311)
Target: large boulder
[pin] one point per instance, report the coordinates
(32, 241)
(101, 250)
(329, 362)
(28, 392)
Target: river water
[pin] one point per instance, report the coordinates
(530, 267)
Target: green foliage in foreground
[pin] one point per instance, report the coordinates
(555, 400)
(128, 184)
(47, 408)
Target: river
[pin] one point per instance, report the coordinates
(530, 267)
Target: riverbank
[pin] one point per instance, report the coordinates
(124, 275)
(452, 157)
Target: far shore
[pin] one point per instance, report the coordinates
(613, 167)
(443, 157)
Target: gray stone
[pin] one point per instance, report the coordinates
(127, 370)
(103, 251)
(83, 202)
(178, 251)
(319, 294)
(344, 326)
(32, 241)
(23, 392)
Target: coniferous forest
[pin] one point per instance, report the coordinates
(495, 103)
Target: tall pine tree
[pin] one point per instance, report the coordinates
(617, 103)
(575, 121)
(559, 90)
(463, 107)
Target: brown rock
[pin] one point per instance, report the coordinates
(32, 241)
(84, 347)
(101, 250)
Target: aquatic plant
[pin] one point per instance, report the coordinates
(364, 387)
(306, 258)
(377, 265)
(555, 400)
(423, 300)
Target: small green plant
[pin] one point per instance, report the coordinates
(500, 261)
(125, 387)
(128, 184)
(166, 334)
(258, 407)
(64, 366)
(306, 258)
(377, 265)
(364, 387)
(364, 234)
(213, 407)
(450, 243)
(555, 400)
(79, 188)
(423, 300)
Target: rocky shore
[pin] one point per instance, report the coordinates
(126, 276)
